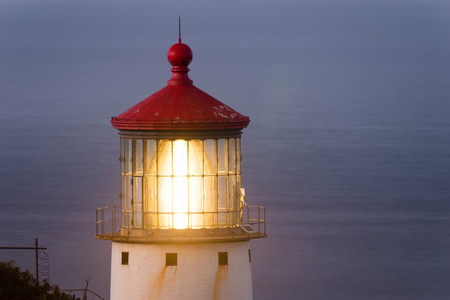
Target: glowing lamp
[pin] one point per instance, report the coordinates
(176, 181)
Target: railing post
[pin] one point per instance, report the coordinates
(248, 214)
(264, 220)
(259, 221)
(96, 221)
(103, 220)
(112, 222)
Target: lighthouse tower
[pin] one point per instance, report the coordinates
(183, 228)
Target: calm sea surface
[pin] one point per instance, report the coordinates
(348, 145)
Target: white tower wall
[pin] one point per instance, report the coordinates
(197, 275)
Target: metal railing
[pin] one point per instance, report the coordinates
(256, 215)
(115, 223)
(107, 220)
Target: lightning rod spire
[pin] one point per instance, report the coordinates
(179, 29)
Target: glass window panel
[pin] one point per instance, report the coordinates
(150, 157)
(137, 157)
(137, 189)
(238, 156)
(222, 193)
(164, 194)
(180, 161)
(210, 157)
(150, 202)
(121, 158)
(122, 190)
(195, 194)
(151, 220)
(223, 156)
(232, 192)
(137, 215)
(180, 221)
(223, 201)
(233, 218)
(195, 157)
(210, 220)
(180, 194)
(164, 157)
(180, 202)
(164, 220)
(126, 220)
(128, 193)
(233, 199)
(210, 193)
(232, 154)
(222, 221)
(127, 156)
(150, 194)
(240, 203)
(196, 220)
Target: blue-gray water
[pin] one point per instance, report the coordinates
(348, 145)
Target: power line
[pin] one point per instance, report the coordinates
(36, 248)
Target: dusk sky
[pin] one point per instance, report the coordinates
(348, 144)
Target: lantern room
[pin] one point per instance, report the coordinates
(180, 167)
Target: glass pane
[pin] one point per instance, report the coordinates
(232, 154)
(240, 199)
(127, 194)
(232, 192)
(165, 194)
(210, 194)
(164, 220)
(150, 201)
(238, 156)
(151, 220)
(121, 158)
(223, 156)
(222, 193)
(180, 161)
(195, 202)
(195, 194)
(126, 219)
(164, 157)
(195, 157)
(233, 199)
(210, 157)
(150, 159)
(210, 220)
(137, 215)
(150, 194)
(180, 194)
(196, 220)
(222, 221)
(122, 191)
(180, 202)
(137, 189)
(137, 157)
(127, 156)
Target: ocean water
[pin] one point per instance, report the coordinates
(348, 144)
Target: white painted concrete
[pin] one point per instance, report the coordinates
(198, 274)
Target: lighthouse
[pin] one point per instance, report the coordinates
(183, 227)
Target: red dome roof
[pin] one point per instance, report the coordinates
(180, 105)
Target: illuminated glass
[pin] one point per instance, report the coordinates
(180, 183)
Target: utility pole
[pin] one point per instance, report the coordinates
(37, 262)
(36, 248)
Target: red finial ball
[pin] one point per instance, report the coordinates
(180, 55)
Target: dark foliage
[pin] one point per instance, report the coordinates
(21, 285)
